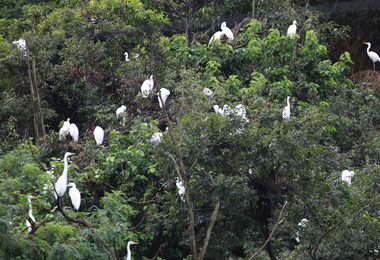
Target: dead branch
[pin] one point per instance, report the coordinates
(208, 234)
(9, 100)
(272, 233)
(86, 224)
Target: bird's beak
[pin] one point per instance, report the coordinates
(307, 220)
(34, 197)
(365, 42)
(135, 243)
(297, 24)
(72, 153)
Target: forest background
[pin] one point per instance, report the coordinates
(249, 180)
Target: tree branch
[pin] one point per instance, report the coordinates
(86, 224)
(313, 252)
(9, 100)
(272, 233)
(208, 234)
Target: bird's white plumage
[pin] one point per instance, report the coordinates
(99, 135)
(74, 132)
(164, 95)
(208, 92)
(126, 56)
(156, 138)
(147, 86)
(292, 29)
(218, 110)
(61, 184)
(75, 196)
(21, 45)
(286, 111)
(216, 36)
(347, 176)
(64, 130)
(28, 224)
(227, 31)
(181, 189)
(129, 253)
(301, 224)
(372, 55)
(120, 112)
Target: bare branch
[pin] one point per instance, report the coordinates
(272, 233)
(9, 100)
(34, 157)
(208, 234)
(86, 224)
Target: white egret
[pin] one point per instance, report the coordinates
(227, 31)
(347, 176)
(28, 224)
(126, 56)
(129, 253)
(286, 111)
(74, 195)
(208, 92)
(302, 224)
(164, 95)
(240, 111)
(216, 36)
(227, 110)
(120, 112)
(218, 110)
(64, 130)
(21, 45)
(60, 185)
(292, 29)
(99, 135)
(181, 189)
(372, 55)
(74, 132)
(147, 86)
(156, 138)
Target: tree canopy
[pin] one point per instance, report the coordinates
(216, 171)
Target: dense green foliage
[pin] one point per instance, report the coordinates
(242, 169)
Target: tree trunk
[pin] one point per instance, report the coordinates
(189, 22)
(38, 120)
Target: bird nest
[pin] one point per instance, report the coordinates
(367, 79)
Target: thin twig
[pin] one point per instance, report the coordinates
(34, 157)
(9, 100)
(272, 233)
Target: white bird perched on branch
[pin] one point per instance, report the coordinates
(227, 31)
(28, 224)
(147, 86)
(74, 195)
(129, 253)
(164, 93)
(64, 130)
(372, 55)
(302, 224)
(126, 56)
(181, 189)
(156, 138)
(21, 45)
(99, 135)
(216, 36)
(61, 184)
(292, 29)
(74, 132)
(208, 92)
(286, 111)
(347, 176)
(120, 112)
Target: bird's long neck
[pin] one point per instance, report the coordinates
(129, 254)
(287, 101)
(369, 46)
(65, 167)
(30, 209)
